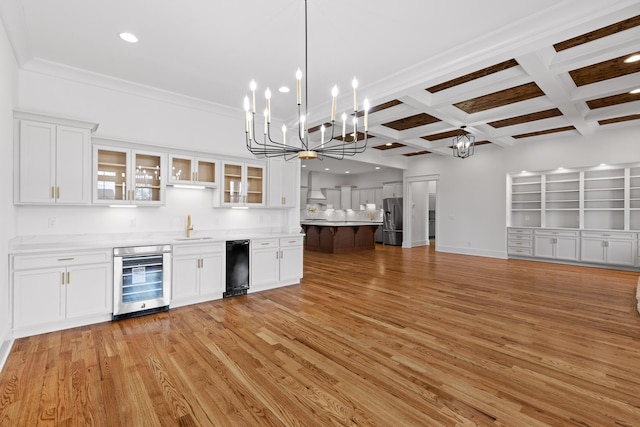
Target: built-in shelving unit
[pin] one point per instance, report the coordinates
(526, 200)
(589, 215)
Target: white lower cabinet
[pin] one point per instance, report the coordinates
(609, 248)
(559, 244)
(520, 241)
(198, 273)
(58, 291)
(275, 262)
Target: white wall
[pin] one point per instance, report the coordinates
(363, 180)
(472, 192)
(8, 98)
(140, 115)
(419, 213)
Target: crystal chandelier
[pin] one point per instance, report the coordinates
(463, 144)
(334, 146)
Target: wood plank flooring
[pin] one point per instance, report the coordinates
(391, 337)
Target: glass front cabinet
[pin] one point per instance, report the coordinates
(128, 177)
(244, 184)
(185, 170)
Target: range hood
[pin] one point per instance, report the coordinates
(314, 192)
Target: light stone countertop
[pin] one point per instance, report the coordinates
(82, 242)
(325, 223)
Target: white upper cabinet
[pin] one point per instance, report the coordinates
(185, 170)
(127, 176)
(54, 163)
(283, 183)
(244, 184)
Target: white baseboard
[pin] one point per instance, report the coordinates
(5, 348)
(472, 251)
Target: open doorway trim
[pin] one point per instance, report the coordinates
(408, 202)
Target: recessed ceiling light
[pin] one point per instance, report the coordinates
(347, 172)
(603, 164)
(389, 144)
(523, 172)
(633, 58)
(304, 166)
(377, 167)
(635, 91)
(327, 169)
(283, 89)
(560, 168)
(128, 37)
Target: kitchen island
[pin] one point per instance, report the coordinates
(339, 236)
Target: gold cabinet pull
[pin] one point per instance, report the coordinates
(58, 193)
(66, 259)
(53, 192)
(63, 277)
(68, 277)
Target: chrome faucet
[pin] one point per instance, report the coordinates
(189, 225)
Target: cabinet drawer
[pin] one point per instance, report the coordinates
(198, 249)
(520, 251)
(518, 237)
(291, 241)
(22, 262)
(264, 243)
(557, 233)
(523, 231)
(609, 235)
(520, 243)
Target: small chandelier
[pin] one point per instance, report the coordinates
(333, 146)
(463, 144)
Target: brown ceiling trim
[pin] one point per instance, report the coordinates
(477, 143)
(501, 98)
(411, 122)
(526, 118)
(349, 137)
(597, 34)
(443, 135)
(619, 119)
(417, 153)
(472, 76)
(608, 101)
(382, 106)
(317, 128)
(544, 132)
(389, 147)
(604, 71)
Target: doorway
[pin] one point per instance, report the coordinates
(421, 206)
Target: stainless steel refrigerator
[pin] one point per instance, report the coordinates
(392, 221)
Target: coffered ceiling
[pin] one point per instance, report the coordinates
(511, 72)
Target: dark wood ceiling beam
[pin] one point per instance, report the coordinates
(501, 98)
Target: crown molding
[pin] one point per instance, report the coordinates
(90, 78)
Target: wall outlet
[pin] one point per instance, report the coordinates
(51, 223)
(132, 222)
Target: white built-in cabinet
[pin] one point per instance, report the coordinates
(244, 184)
(590, 215)
(52, 160)
(53, 291)
(188, 170)
(365, 196)
(198, 273)
(128, 176)
(332, 197)
(283, 183)
(392, 189)
(275, 262)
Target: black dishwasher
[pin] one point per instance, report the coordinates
(237, 268)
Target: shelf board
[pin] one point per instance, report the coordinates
(526, 192)
(526, 201)
(604, 189)
(604, 209)
(526, 183)
(562, 209)
(563, 180)
(113, 165)
(525, 210)
(603, 200)
(563, 191)
(562, 201)
(604, 178)
(230, 175)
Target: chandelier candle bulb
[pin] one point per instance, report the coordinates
(344, 126)
(267, 95)
(322, 129)
(334, 94)
(253, 86)
(299, 85)
(354, 84)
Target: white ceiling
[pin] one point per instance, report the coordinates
(211, 50)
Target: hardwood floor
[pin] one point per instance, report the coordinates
(392, 337)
